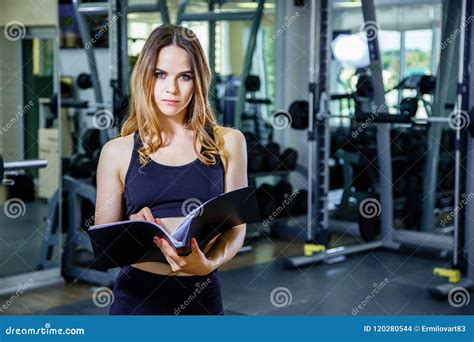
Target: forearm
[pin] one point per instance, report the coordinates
(227, 246)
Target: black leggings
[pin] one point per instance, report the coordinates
(137, 292)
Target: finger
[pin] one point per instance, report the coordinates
(209, 245)
(137, 216)
(195, 247)
(147, 214)
(169, 251)
(163, 249)
(174, 266)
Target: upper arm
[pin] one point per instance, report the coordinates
(109, 199)
(235, 150)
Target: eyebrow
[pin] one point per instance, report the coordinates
(182, 72)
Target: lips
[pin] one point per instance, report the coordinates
(170, 101)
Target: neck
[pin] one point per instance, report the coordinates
(172, 125)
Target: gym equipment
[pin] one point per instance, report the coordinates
(301, 203)
(78, 253)
(317, 234)
(14, 168)
(289, 159)
(84, 81)
(84, 164)
(271, 157)
(369, 225)
(299, 114)
(212, 17)
(284, 191)
(317, 222)
(51, 233)
(255, 158)
(252, 118)
(23, 187)
(461, 272)
(267, 200)
(252, 83)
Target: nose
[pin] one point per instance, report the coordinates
(171, 86)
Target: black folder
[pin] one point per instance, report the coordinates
(128, 242)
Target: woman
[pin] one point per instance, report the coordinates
(171, 156)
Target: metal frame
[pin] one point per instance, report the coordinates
(390, 238)
(447, 74)
(211, 16)
(318, 128)
(118, 45)
(464, 227)
(76, 190)
(467, 219)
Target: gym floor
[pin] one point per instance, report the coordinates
(321, 289)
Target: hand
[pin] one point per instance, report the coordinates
(195, 263)
(145, 214)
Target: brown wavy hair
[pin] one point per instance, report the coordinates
(199, 115)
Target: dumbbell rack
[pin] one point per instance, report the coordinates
(258, 229)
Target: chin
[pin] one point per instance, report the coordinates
(169, 111)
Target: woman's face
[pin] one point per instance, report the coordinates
(174, 85)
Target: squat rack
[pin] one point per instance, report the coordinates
(317, 223)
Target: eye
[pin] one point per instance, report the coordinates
(160, 74)
(186, 77)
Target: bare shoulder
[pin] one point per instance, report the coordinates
(116, 154)
(233, 139)
(233, 146)
(116, 147)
